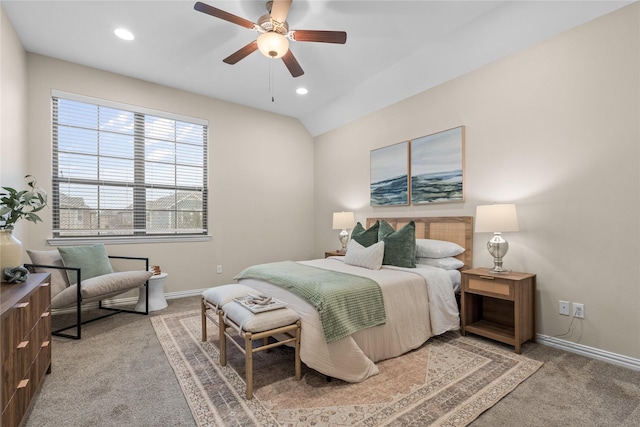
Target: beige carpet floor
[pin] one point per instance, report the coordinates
(449, 381)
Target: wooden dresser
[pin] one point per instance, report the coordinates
(26, 344)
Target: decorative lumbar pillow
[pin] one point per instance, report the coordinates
(59, 281)
(448, 263)
(399, 246)
(92, 261)
(429, 248)
(365, 237)
(101, 287)
(370, 257)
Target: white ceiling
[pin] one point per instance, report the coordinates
(394, 49)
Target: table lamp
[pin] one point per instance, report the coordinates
(342, 221)
(497, 219)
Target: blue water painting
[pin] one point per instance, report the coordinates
(437, 187)
(389, 180)
(437, 167)
(390, 192)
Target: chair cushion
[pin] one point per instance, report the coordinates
(259, 322)
(101, 287)
(59, 280)
(220, 295)
(91, 259)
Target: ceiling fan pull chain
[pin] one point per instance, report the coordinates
(271, 82)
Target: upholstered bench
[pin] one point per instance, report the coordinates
(282, 324)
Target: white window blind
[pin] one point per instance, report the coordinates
(120, 170)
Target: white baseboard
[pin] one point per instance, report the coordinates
(594, 353)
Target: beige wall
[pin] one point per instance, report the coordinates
(260, 174)
(13, 113)
(554, 129)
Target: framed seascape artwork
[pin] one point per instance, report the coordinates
(389, 179)
(437, 167)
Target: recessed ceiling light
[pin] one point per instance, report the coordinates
(123, 34)
(302, 91)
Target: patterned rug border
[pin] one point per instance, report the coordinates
(201, 378)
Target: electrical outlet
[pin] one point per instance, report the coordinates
(578, 310)
(564, 307)
(219, 269)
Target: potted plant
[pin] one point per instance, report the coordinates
(14, 206)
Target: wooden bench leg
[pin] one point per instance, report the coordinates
(297, 353)
(223, 338)
(248, 344)
(203, 309)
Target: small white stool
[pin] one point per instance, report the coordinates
(157, 300)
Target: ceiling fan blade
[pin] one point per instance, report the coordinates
(321, 36)
(280, 9)
(241, 53)
(210, 10)
(292, 64)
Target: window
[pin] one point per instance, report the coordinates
(122, 171)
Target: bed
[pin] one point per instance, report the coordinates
(419, 303)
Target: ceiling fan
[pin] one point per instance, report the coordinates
(273, 34)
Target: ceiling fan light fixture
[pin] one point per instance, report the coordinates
(272, 44)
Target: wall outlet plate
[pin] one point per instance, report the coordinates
(578, 310)
(563, 308)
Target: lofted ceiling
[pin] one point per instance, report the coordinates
(394, 49)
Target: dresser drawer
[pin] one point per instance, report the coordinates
(490, 286)
(26, 344)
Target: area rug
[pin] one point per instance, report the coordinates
(449, 381)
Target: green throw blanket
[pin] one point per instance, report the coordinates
(346, 303)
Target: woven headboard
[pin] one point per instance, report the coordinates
(457, 229)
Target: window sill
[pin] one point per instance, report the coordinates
(122, 240)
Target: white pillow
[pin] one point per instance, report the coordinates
(448, 263)
(369, 257)
(429, 248)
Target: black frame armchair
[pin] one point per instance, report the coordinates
(79, 299)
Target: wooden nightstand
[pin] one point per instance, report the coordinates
(499, 306)
(333, 253)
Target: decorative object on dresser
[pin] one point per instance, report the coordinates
(84, 274)
(500, 306)
(497, 219)
(14, 206)
(342, 221)
(26, 344)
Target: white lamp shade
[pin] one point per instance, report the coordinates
(272, 44)
(343, 220)
(498, 217)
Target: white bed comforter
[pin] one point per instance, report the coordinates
(419, 303)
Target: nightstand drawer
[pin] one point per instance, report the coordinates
(491, 286)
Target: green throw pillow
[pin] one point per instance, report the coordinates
(92, 261)
(399, 246)
(365, 237)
